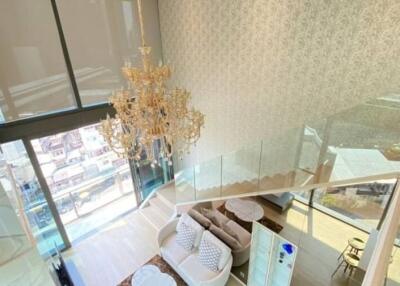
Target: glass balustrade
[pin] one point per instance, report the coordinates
(349, 145)
(240, 171)
(208, 179)
(22, 188)
(184, 185)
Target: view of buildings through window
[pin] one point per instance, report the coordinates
(18, 179)
(89, 184)
(83, 175)
(361, 204)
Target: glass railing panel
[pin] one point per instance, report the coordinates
(22, 187)
(208, 179)
(309, 153)
(346, 146)
(363, 141)
(279, 160)
(240, 171)
(310, 149)
(20, 263)
(184, 186)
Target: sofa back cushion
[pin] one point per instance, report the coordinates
(230, 231)
(190, 222)
(244, 237)
(201, 219)
(225, 250)
(214, 216)
(226, 238)
(186, 236)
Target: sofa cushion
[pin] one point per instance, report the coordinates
(243, 235)
(215, 216)
(209, 254)
(201, 219)
(226, 238)
(221, 217)
(225, 250)
(230, 231)
(172, 251)
(186, 236)
(194, 271)
(193, 224)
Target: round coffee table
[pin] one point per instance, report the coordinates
(149, 275)
(245, 210)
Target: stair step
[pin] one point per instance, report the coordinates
(154, 217)
(158, 203)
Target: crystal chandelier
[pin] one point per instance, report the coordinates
(149, 117)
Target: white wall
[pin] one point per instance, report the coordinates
(258, 67)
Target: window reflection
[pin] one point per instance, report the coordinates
(18, 179)
(101, 36)
(361, 204)
(33, 78)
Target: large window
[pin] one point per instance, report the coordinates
(19, 181)
(89, 184)
(33, 77)
(101, 36)
(57, 58)
(361, 204)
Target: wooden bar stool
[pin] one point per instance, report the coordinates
(350, 260)
(355, 244)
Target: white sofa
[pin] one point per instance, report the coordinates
(240, 255)
(186, 263)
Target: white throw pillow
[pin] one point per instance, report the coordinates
(186, 236)
(189, 221)
(209, 255)
(225, 250)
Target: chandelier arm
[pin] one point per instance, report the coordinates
(139, 4)
(147, 111)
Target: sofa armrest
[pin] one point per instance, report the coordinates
(166, 231)
(241, 256)
(221, 278)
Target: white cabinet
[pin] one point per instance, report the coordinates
(272, 258)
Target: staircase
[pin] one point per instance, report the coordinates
(158, 211)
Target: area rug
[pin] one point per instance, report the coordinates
(163, 266)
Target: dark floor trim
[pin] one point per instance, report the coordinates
(53, 123)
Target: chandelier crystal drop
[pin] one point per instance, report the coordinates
(149, 117)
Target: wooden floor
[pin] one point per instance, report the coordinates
(320, 238)
(118, 250)
(109, 256)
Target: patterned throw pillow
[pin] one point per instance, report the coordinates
(186, 236)
(209, 255)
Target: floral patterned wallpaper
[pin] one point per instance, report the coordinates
(258, 67)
